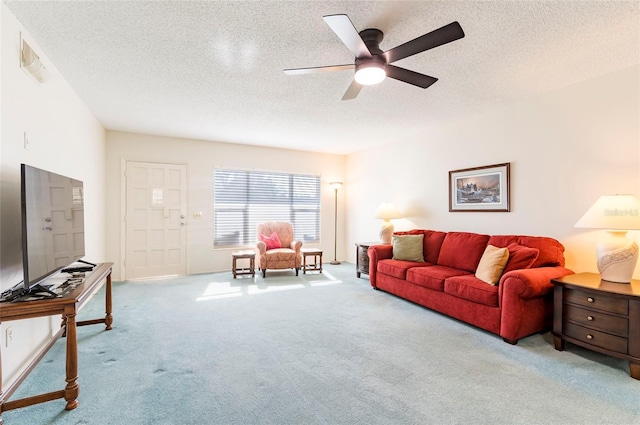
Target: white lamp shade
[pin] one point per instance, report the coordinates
(613, 212)
(387, 211)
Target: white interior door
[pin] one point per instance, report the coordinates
(155, 220)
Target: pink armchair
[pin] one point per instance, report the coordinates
(276, 248)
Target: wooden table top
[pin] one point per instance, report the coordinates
(593, 281)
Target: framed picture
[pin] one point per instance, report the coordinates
(479, 189)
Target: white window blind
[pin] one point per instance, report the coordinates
(242, 199)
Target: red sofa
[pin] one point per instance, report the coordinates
(520, 305)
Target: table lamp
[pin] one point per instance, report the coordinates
(617, 255)
(387, 212)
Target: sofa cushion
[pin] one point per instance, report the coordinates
(502, 241)
(520, 257)
(396, 268)
(551, 252)
(462, 250)
(431, 243)
(408, 247)
(492, 264)
(432, 277)
(272, 241)
(471, 288)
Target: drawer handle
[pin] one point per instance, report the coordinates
(590, 318)
(589, 336)
(590, 299)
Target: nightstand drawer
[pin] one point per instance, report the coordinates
(597, 338)
(597, 300)
(597, 320)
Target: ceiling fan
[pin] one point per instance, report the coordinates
(372, 65)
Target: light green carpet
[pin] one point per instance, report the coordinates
(315, 349)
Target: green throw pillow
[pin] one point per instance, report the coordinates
(408, 248)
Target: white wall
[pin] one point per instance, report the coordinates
(201, 157)
(566, 148)
(64, 137)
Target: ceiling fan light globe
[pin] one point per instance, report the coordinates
(370, 75)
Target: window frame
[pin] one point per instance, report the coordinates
(248, 206)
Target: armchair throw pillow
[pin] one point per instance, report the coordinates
(272, 241)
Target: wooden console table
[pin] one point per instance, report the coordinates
(67, 306)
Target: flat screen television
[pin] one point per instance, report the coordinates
(52, 207)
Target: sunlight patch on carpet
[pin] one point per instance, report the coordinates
(224, 290)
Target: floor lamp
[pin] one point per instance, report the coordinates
(335, 186)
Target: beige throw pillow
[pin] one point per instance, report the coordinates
(408, 248)
(492, 264)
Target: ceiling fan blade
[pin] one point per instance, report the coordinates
(352, 91)
(443, 35)
(318, 69)
(411, 77)
(344, 29)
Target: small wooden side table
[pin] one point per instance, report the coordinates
(362, 257)
(248, 254)
(317, 259)
(599, 315)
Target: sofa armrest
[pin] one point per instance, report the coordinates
(526, 301)
(531, 283)
(377, 253)
(262, 247)
(296, 245)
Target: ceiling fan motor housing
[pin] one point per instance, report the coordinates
(372, 38)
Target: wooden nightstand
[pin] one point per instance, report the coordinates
(599, 315)
(362, 258)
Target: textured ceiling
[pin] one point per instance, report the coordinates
(212, 70)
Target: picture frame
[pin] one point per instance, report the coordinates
(480, 189)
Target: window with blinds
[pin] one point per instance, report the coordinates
(242, 199)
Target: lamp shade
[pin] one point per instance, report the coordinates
(387, 211)
(612, 212)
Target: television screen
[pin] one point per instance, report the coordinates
(52, 223)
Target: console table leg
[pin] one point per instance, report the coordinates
(72, 389)
(108, 318)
